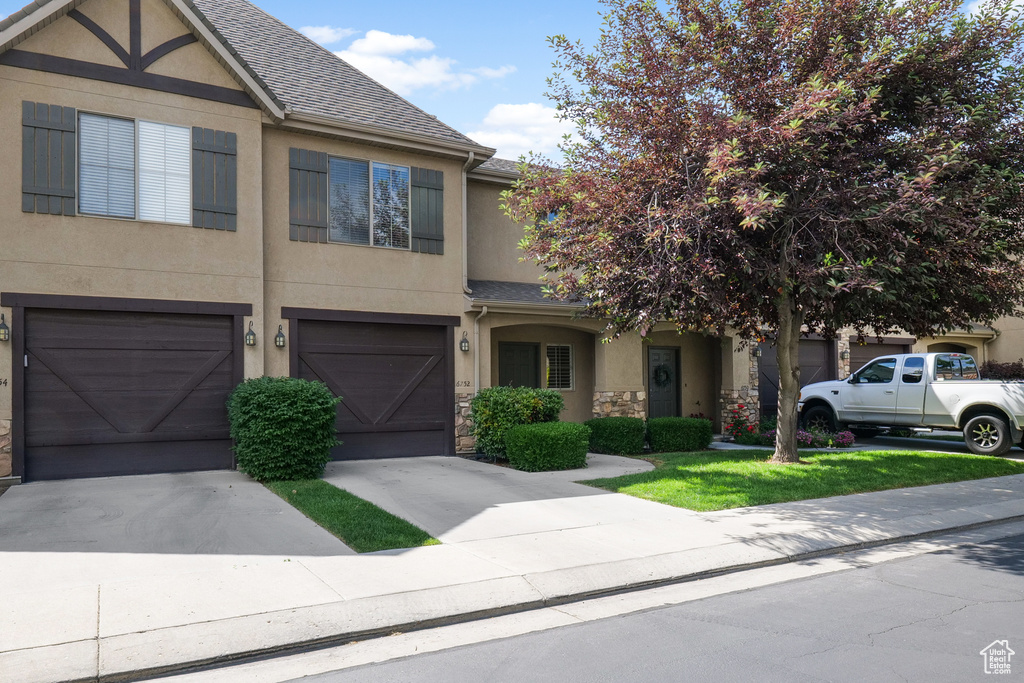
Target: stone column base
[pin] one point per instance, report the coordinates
(5, 448)
(744, 401)
(464, 441)
(620, 404)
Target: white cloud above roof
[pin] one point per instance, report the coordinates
(518, 129)
(327, 35)
(384, 57)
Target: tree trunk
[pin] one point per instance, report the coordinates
(788, 348)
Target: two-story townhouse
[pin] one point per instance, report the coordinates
(195, 193)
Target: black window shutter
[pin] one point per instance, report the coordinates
(214, 179)
(307, 195)
(427, 211)
(47, 158)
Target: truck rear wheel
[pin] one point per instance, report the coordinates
(987, 435)
(820, 419)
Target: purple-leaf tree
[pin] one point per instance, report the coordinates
(769, 168)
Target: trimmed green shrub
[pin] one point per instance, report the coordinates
(617, 435)
(672, 434)
(497, 409)
(547, 446)
(283, 427)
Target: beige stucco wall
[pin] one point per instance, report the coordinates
(94, 256)
(353, 277)
(1009, 345)
(493, 239)
(578, 400)
(697, 370)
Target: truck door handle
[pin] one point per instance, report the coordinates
(890, 391)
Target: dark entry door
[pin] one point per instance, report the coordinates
(518, 364)
(663, 381)
(110, 392)
(817, 364)
(392, 379)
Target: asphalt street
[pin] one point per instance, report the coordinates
(923, 618)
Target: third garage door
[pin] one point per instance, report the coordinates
(817, 364)
(394, 382)
(861, 354)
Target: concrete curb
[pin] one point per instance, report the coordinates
(136, 656)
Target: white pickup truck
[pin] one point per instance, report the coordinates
(920, 390)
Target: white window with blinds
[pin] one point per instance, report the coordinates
(164, 178)
(130, 169)
(559, 366)
(369, 203)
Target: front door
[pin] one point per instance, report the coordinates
(518, 365)
(663, 381)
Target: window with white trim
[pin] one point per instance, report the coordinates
(368, 203)
(559, 366)
(134, 169)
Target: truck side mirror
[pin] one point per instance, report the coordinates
(853, 379)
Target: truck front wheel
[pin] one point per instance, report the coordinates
(820, 419)
(987, 435)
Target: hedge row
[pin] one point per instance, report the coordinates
(626, 435)
(495, 410)
(547, 446)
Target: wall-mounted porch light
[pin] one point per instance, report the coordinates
(279, 340)
(250, 336)
(845, 355)
(757, 352)
(464, 343)
(5, 332)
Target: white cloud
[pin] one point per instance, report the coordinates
(517, 129)
(326, 35)
(382, 56)
(381, 43)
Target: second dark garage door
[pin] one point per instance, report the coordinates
(817, 364)
(861, 354)
(394, 380)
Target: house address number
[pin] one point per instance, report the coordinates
(463, 383)
(3, 381)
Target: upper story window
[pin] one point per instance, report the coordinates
(81, 163)
(363, 212)
(350, 201)
(134, 169)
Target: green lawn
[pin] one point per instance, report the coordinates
(717, 480)
(360, 524)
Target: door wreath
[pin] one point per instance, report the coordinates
(662, 375)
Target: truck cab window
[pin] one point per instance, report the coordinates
(913, 370)
(878, 371)
(955, 366)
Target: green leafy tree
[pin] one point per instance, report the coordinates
(768, 167)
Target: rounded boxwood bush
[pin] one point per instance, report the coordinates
(673, 434)
(547, 446)
(617, 435)
(283, 427)
(495, 410)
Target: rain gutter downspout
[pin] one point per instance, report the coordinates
(465, 232)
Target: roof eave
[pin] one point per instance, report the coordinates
(328, 125)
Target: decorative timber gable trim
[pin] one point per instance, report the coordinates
(134, 73)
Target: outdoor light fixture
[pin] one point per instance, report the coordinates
(5, 332)
(757, 352)
(845, 355)
(250, 336)
(464, 343)
(279, 339)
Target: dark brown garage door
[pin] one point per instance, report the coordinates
(817, 364)
(394, 381)
(860, 355)
(113, 392)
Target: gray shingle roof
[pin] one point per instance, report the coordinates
(516, 292)
(501, 165)
(300, 74)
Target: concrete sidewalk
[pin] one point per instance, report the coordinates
(511, 541)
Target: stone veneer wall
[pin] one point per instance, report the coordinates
(5, 448)
(746, 395)
(620, 404)
(464, 441)
(843, 343)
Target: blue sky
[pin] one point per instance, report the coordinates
(478, 66)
